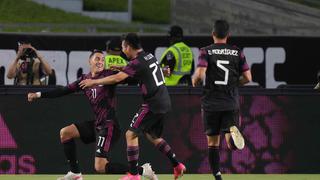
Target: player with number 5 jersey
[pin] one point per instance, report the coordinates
(149, 120)
(224, 68)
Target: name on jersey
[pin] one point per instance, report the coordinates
(223, 51)
(148, 57)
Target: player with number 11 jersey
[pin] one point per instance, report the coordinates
(149, 120)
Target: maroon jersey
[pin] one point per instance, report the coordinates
(101, 97)
(147, 71)
(225, 64)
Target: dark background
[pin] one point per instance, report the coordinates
(302, 56)
(280, 128)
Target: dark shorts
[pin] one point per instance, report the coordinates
(104, 138)
(146, 121)
(217, 121)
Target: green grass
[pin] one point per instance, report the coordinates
(105, 5)
(147, 11)
(169, 177)
(151, 11)
(23, 11)
(310, 3)
(26, 11)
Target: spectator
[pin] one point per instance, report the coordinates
(28, 67)
(179, 58)
(113, 57)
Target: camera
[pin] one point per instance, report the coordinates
(27, 52)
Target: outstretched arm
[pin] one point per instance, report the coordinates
(50, 94)
(113, 79)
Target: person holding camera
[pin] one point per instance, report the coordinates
(28, 67)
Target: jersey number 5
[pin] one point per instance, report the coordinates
(155, 68)
(226, 72)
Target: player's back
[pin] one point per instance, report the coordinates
(222, 76)
(152, 83)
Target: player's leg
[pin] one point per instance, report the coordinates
(133, 144)
(106, 138)
(178, 167)
(153, 128)
(233, 136)
(212, 124)
(68, 135)
(67, 138)
(214, 155)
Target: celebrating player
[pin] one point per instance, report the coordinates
(149, 119)
(222, 66)
(104, 130)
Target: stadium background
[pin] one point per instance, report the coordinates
(280, 124)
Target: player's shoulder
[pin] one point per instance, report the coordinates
(211, 46)
(235, 47)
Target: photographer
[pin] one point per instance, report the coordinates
(28, 67)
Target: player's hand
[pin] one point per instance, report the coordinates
(195, 82)
(87, 83)
(32, 96)
(166, 71)
(116, 68)
(317, 87)
(21, 47)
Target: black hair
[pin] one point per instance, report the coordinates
(132, 39)
(175, 31)
(114, 44)
(221, 29)
(94, 52)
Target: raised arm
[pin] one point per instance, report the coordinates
(45, 65)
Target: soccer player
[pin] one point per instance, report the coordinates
(224, 68)
(104, 130)
(149, 119)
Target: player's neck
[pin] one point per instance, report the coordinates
(220, 41)
(136, 53)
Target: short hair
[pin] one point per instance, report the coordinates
(114, 44)
(175, 31)
(221, 29)
(94, 52)
(132, 39)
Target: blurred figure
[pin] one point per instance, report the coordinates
(317, 87)
(29, 66)
(224, 68)
(178, 58)
(2, 69)
(113, 57)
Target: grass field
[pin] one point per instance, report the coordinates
(170, 177)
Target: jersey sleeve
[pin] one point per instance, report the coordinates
(133, 68)
(203, 58)
(61, 91)
(75, 85)
(243, 63)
